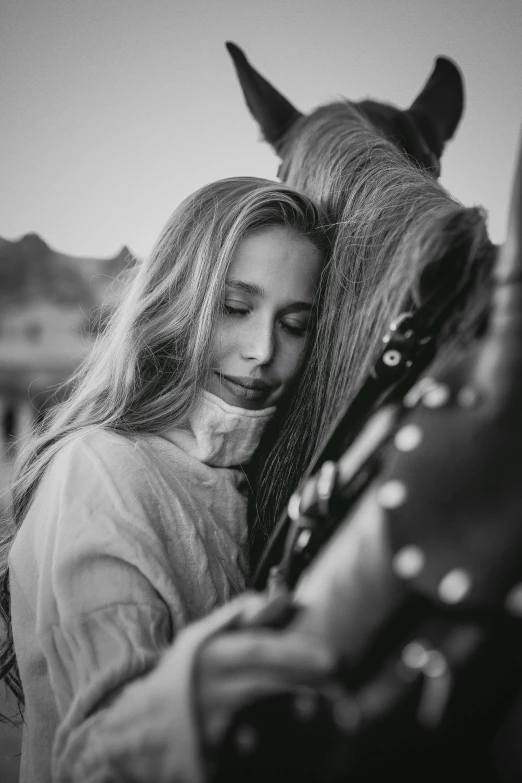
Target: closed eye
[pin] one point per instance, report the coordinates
(234, 310)
(296, 330)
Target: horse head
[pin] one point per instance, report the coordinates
(421, 131)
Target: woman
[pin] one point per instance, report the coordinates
(131, 501)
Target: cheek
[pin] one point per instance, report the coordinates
(292, 358)
(224, 341)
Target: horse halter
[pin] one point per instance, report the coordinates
(409, 346)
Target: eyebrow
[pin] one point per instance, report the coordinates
(257, 290)
(246, 288)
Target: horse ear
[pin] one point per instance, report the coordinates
(509, 263)
(274, 113)
(438, 107)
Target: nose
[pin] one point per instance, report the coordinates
(258, 342)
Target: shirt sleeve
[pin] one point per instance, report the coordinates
(119, 668)
(123, 727)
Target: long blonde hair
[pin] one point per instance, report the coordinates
(145, 368)
(396, 232)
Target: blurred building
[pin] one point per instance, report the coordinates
(51, 307)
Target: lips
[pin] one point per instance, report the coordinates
(246, 388)
(248, 383)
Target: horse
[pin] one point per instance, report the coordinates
(419, 586)
(420, 131)
(396, 231)
(419, 589)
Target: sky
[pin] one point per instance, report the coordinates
(113, 111)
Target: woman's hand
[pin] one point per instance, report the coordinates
(239, 666)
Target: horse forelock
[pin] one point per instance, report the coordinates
(312, 151)
(327, 151)
(331, 123)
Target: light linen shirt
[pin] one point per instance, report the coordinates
(128, 540)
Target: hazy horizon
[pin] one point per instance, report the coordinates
(114, 111)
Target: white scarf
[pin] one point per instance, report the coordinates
(220, 434)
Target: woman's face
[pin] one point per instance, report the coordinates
(262, 334)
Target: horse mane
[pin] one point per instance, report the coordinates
(396, 234)
(318, 152)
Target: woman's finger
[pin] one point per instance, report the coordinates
(272, 651)
(272, 612)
